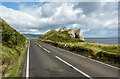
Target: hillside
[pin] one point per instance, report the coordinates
(56, 36)
(14, 45)
(102, 52)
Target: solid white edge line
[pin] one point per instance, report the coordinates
(73, 67)
(88, 58)
(27, 67)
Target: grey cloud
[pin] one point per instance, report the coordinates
(110, 6)
(54, 15)
(88, 7)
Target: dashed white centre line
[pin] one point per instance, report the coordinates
(37, 43)
(40, 45)
(43, 48)
(46, 50)
(74, 67)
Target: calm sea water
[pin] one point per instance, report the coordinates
(103, 40)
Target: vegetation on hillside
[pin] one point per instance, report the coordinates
(55, 36)
(13, 48)
(102, 52)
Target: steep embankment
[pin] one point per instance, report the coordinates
(105, 53)
(14, 46)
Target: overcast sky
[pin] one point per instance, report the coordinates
(96, 19)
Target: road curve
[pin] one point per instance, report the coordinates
(48, 61)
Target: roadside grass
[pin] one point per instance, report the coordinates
(13, 68)
(13, 46)
(113, 49)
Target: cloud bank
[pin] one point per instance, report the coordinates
(96, 19)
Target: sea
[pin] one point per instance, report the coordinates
(112, 40)
(103, 40)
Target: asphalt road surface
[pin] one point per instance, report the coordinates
(45, 60)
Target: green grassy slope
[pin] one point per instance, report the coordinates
(13, 47)
(102, 52)
(55, 36)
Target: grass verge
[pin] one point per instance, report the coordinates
(13, 67)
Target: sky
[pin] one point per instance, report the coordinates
(95, 19)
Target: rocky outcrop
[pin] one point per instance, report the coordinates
(78, 34)
(63, 29)
(73, 33)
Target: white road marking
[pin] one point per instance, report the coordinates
(40, 45)
(88, 58)
(36, 43)
(46, 50)
(27, 68)
(73, 67)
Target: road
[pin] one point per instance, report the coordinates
(48, 61)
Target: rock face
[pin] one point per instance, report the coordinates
(73, 33)
(63, 29)
(78, 34)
